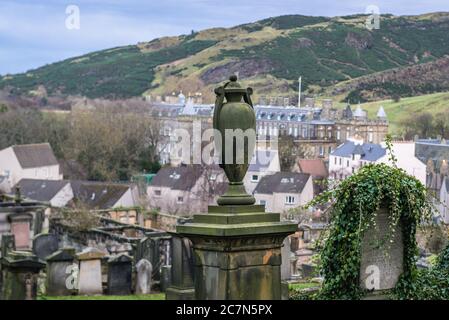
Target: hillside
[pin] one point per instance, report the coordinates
(396, 111)
(334, 56)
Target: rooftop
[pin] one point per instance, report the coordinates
(282, 182)
(35, 155)
(40, 190)
(314, 167)
(368, 151)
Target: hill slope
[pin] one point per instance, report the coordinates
(270, 54)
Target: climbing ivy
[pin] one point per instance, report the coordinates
(355, 202)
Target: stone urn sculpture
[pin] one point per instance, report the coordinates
(235, 138)
(236, 244)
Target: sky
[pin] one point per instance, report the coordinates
(37, 32)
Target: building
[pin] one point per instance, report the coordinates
(444, 200)
(58, 193)
(351, 156)
(435, 154)
(185, 189)
(317, 130)
(317, 169)
(283, 191)
(30, 161)
(404, 152)
(264, 162)
(94, 195)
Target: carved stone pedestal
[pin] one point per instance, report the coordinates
(237, 252)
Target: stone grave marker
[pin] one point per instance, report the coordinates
(182, 269)
(90, 279)
(62, 272)
(120, 274)
(45, 245)
(165, 277)
(381, 262)
(286, 265)
(20, 274)
(144, 273)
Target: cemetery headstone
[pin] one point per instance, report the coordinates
(165, 277)
(20, 273)
(381, 260)
(286, 265)
(120, 274)
(21, 227)
(44, 245)
(90, 277)
(62, 273)
(182, 269)
(144, 273)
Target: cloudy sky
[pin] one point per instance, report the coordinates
(34, 32)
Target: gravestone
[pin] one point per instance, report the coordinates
(62, 273)
(20, 274)
(144, 273)
(182, 270)
(45, 245)
(90, 279)
(381, 262)
(286, 264)
(21, 228)
(165, 278)
(120, 274)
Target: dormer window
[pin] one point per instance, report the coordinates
(289, 200)
(254, 178)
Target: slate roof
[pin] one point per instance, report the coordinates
(98, 195)
(40, 190)
(431, 149)
(261, 160)
(282, 182)
(35, 155)
(372, 152)
(314, 167)
(178, 178)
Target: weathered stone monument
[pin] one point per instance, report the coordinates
(237, 245)
(144, 277)
(182, 286)
(45, 245)
(20, 270)
(120, 269)
(60, 270)
(90, 276)
(381, 262)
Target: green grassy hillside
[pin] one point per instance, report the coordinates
(397, 111)
(270, 54)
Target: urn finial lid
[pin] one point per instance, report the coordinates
(233, 86)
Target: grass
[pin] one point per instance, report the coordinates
(156, 296)
(303, 285)
(396, 111)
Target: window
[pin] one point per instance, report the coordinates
(157, 193)
(352, 169)
(340, 161)
(338, 135)
(289, 200)
(180, 199)
(254, 178)
(347, 163)
(335, 162)
(262, 202)
(370, 137)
